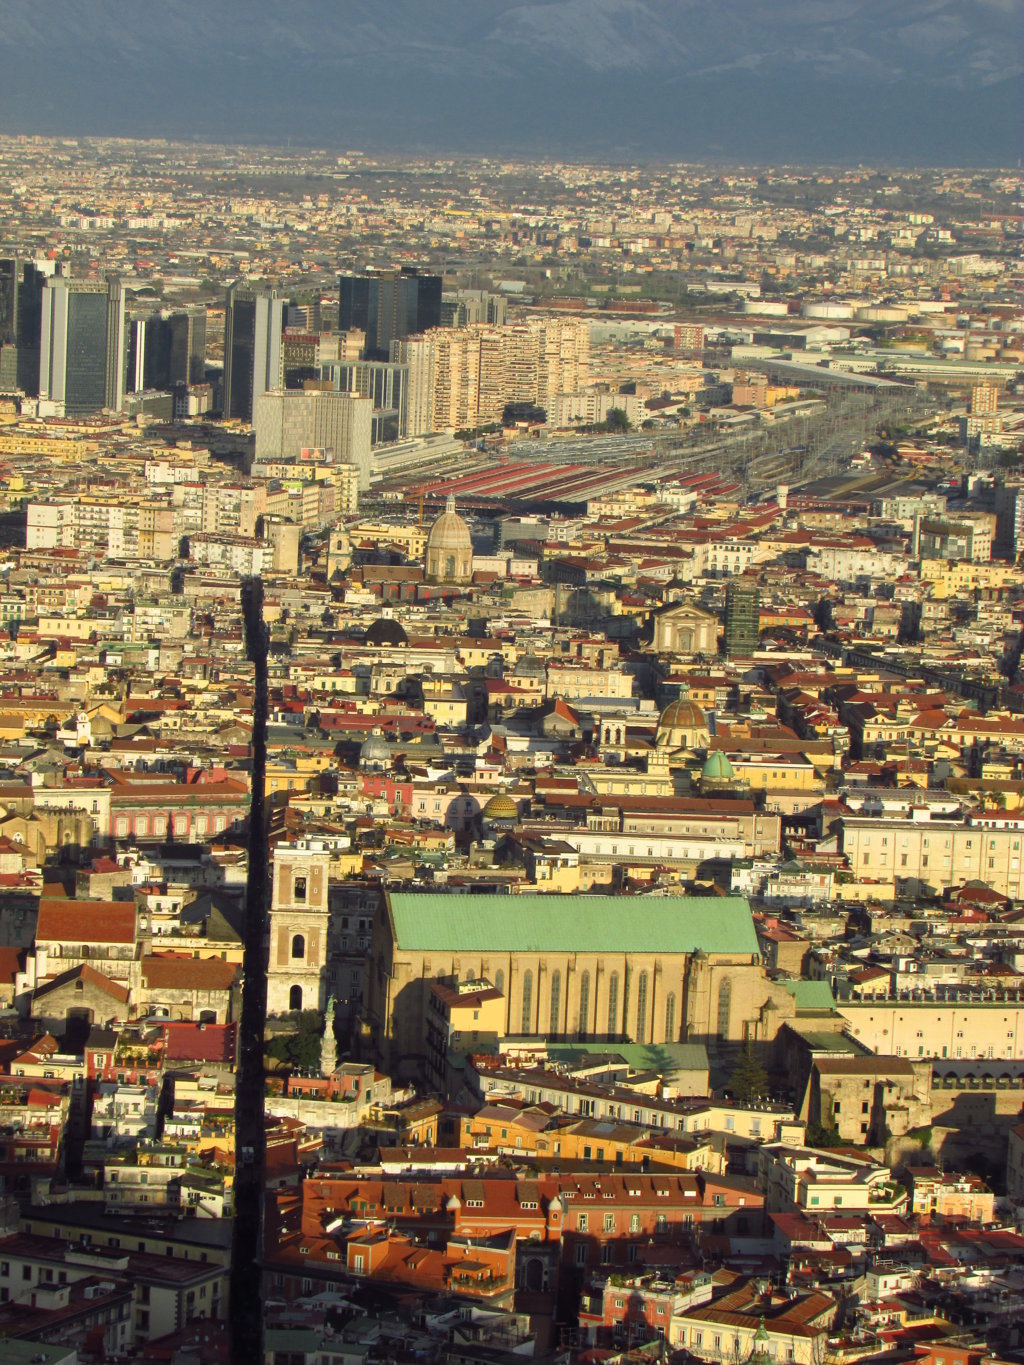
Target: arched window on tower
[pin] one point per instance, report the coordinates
(527, 1002)
(584, 1020)
(641, 1009)
(298, 946)
(295, 998)
(499, 980)
(613, 1003)
(554, 1019)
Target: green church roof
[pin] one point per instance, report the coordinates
(663, 1057)
(560, 924)
(811, 995)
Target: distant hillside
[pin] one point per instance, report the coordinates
(915, 80)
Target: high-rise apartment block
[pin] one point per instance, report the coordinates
(742, 617)
(287, 422)
(253, 326)
(464, 377)
(689, 339)
(984, 400)
(388, 305)
(82, 345)
(467, 306)
(416, 356)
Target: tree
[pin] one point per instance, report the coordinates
(300, 1050)
(749, 1080)
(523, 412)
(820, 1136)
(616, 420)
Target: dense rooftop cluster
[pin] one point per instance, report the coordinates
(644, 773)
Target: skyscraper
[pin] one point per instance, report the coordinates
(139, 330)
(166, 350)
(1009, 510)
(742, 616)
(186, 363)
(8, 324)
(253, 323)
(21, 301)
(114, 373)
(388, 305)
(82, 345)
(385, 385)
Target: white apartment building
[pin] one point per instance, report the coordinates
(954, 1029)
(588, 408)
(938, 852)
(288, 421)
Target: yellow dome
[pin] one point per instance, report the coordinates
(501, 807)
(449, 548)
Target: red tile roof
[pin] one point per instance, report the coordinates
(168, 971)
(199, 1042)
(83, 921)
(11, 962)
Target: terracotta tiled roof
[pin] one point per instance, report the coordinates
(84, 921)
(199, 1042)
(11, 962)
(166, 971)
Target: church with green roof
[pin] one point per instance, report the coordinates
(644, 969)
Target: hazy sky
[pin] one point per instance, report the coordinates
(896, 81)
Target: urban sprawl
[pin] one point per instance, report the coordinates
(512, 746)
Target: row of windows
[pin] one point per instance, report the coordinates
(583, 1017)
(157, 825)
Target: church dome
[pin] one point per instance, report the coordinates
(386, 631)
(501, 807)
(449, 548)
(529, 666)
(717, 768)
(683, 725)
(375, 752)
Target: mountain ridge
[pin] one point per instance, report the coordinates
(938, 80)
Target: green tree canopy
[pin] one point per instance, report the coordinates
(749, 1080)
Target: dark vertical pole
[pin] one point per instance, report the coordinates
(246, 1309)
